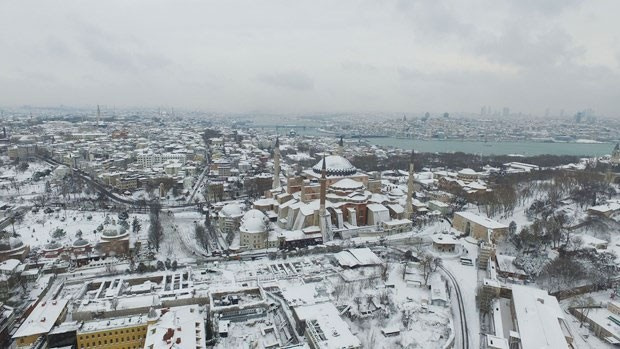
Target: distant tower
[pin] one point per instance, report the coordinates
(323, 183)
(615, 155)
(340, 147)
(276, 165)
(98, 115)
(324, 221)
(409, 204)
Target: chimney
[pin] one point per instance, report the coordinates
(168, 334)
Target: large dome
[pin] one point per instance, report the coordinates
(335, 165)
(10, 243)
(253, 221)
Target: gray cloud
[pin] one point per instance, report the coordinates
(238, 55)
(290, 80)
(546, 7)
(118, 53)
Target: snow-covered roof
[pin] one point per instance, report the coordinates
(467, 171)
(304, 294)
(11, 243)
(253, 221)
(444, 239)
(231, 210)
(397, 192)
(483, 221)
(335, 165)
(80, 242)
(538, 318)
(325, 318)
(180, 327)
(376, 208)
(42, 318)
(396, 208)
(111, 323)
(9, 265)
(357, 257)
(347, 184)
(438, 288)
(506, 264)
(265, 202)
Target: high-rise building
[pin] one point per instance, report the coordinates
(506, 111)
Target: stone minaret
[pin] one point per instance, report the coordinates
(409, 204)
(276, 166)
(323, 183)
(340, 147)
(324, 219)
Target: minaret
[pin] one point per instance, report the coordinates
(98, 115)
(324, 219)
(615, 155)
(323, 183)
(276, 165)
(340, 147)
(409, 204)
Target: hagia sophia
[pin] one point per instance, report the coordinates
(331, 200)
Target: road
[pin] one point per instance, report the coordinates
(462, 327)
(113, 196)
(198, 183)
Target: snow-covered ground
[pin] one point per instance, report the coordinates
(37, 228)
(582, 336)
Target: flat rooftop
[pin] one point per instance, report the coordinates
(42, 318)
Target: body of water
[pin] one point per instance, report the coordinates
(526, 148)
(497, 148)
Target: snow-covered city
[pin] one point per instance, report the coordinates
(164, 230)
(309, 174)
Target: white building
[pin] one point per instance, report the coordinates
(148, 160)
(179, 327)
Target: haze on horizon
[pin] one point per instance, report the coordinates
(313, 56)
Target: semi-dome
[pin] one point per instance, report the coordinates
(347, 184)
(231, 210)
(335, 165)
(253, 221)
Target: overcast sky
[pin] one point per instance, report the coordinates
(313, 56)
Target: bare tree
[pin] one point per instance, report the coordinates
(584, 304)
(428, 264)
(155, 229)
